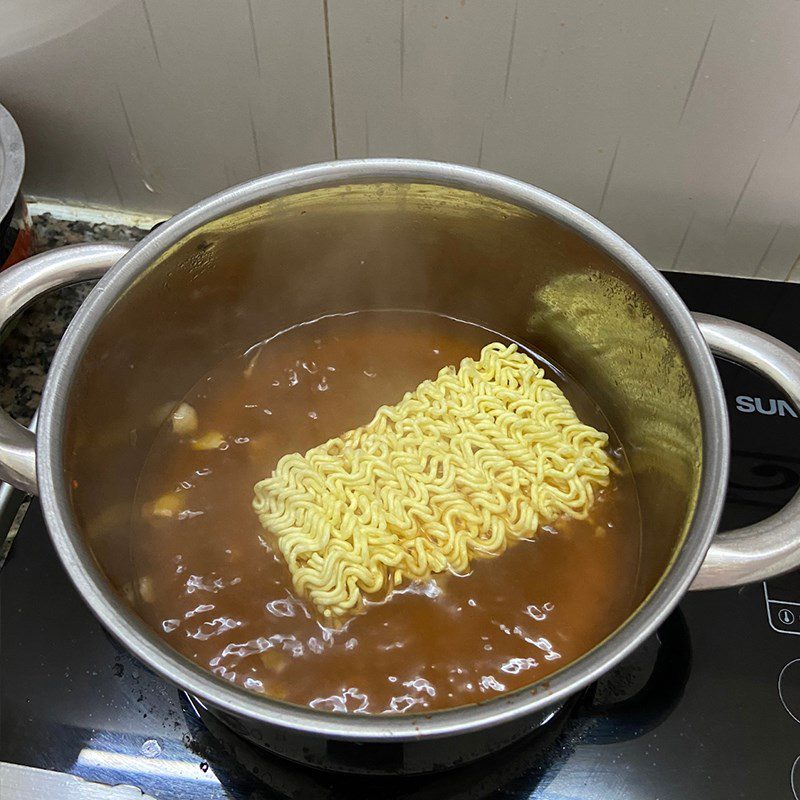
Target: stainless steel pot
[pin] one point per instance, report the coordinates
(378, 233)
(16, 236)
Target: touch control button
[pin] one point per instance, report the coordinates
(789, 689)
(786, 616)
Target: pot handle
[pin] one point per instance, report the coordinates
(20, 285)
(770, 547)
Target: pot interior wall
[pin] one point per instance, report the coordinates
(241, 278)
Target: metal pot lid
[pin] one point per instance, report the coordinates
(12, 161)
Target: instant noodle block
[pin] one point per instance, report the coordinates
(459, 469)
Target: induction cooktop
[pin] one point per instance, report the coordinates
(708, 708)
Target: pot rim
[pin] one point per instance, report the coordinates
(138, 637)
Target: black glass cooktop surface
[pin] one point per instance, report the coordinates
(710, 708)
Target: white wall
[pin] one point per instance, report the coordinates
(676, 122)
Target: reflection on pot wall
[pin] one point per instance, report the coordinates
(676, 123)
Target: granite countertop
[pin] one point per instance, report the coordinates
(30, 341)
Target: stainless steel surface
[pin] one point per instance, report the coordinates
(13, 506)
(19, 285)
(378, 233)
(770, 547)
(12, 161)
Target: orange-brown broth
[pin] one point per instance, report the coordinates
(217, 592)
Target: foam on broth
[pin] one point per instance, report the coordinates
(209, 582)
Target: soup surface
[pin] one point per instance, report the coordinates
(210, 582)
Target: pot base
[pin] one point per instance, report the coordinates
(375, 758)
